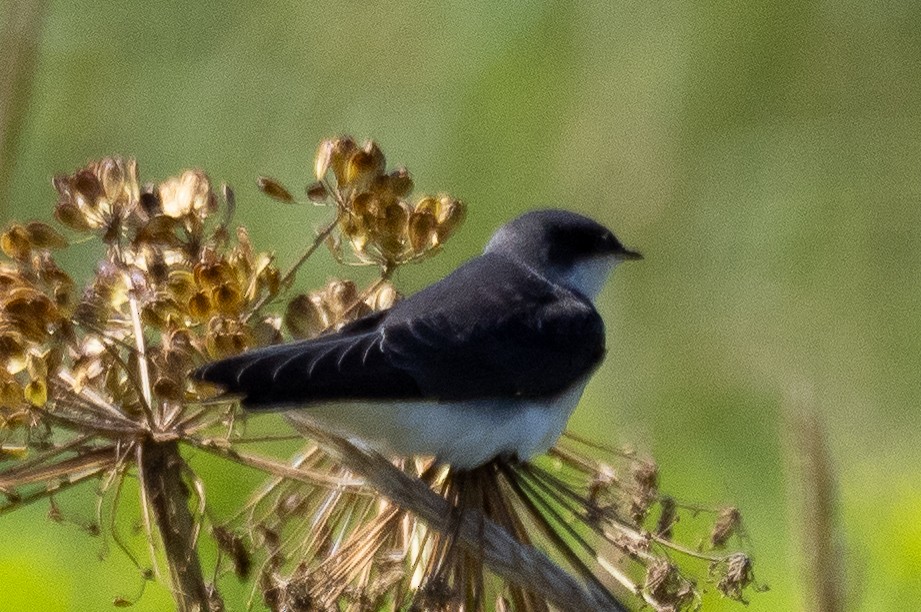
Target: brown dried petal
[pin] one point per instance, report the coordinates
(738, 575)
(274, 189)
(233, 545)
(667, 587)
(668, 516)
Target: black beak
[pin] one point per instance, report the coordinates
(629, 255)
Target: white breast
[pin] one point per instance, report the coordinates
(464, 435)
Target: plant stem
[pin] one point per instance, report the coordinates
(292, 272)
(161, 477)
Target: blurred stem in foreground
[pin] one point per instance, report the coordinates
(813, 503)
(19, 39)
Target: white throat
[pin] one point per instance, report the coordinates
(588, 277)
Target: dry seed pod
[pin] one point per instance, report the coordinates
(226, 298)
(340, 296)
(86, 187)
(428, 204)
(364, 165)
(212, 274)
(304, 317)
(421, 230)
(392, 223)
(11, 392)
(43, 236)
(167, 388)
(266, 332)
(451, 214)
(69, 214)
(324, 158)
(36, 392)
(364, 203)
(342, 150)
(199, 305)
(274, 189)
(13, 355)
(119, 180)
(15, 242)
(316, 192)
(383, 298)
(400, 183)
(160, 229)
(727, 523)
(189, 194)
(181, 284)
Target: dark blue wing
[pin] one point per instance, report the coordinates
(491, 329)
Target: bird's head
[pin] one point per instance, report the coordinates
(566, 248)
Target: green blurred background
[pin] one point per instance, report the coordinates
(764, 156)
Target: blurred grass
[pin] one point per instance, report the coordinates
(763, 155)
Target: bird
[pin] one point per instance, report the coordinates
(487, 363)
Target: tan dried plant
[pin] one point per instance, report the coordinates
(94, 387)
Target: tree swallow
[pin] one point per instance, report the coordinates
(488, 362)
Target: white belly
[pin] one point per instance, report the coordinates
(464, 435)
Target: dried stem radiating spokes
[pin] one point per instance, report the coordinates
(94, 387)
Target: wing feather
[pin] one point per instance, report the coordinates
(473, 335)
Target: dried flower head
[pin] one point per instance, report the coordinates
(93, 381)
(94, 386)
(383, 225)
